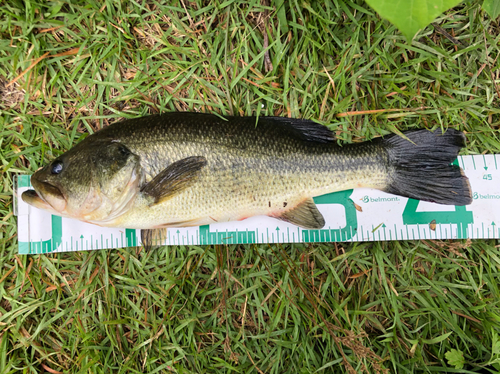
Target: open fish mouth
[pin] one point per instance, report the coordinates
(45, 196)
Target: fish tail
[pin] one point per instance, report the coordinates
(421, 167)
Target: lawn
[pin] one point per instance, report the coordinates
(70, 68)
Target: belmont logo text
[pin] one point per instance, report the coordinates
(368, 199)
(485, 197)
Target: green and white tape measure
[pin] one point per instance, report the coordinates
(353, 215)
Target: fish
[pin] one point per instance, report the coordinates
(189, 169)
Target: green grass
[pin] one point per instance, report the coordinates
(329, 308)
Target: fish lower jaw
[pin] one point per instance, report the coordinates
(34, 199)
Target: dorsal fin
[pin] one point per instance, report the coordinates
(302, 129)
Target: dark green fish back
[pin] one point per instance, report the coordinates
(276, 134)
(278, 142)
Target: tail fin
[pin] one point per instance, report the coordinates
(421, 168)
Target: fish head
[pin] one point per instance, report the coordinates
(96, 181)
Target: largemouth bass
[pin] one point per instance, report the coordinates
(186, 169)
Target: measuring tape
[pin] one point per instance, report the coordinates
(353, 215)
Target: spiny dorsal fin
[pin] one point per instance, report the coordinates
(174, 178)
(305, 215)
(303, 129)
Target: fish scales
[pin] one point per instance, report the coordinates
(251, 170)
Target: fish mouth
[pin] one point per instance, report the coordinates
(32, 198)
(45, 196)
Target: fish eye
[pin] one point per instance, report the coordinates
(57, 167)
(123, 150)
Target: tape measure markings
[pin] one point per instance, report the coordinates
(398, 219)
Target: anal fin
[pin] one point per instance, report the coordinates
(305, 215)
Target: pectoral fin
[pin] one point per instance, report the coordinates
(305, 215)
(175, 178)
(153, 237)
